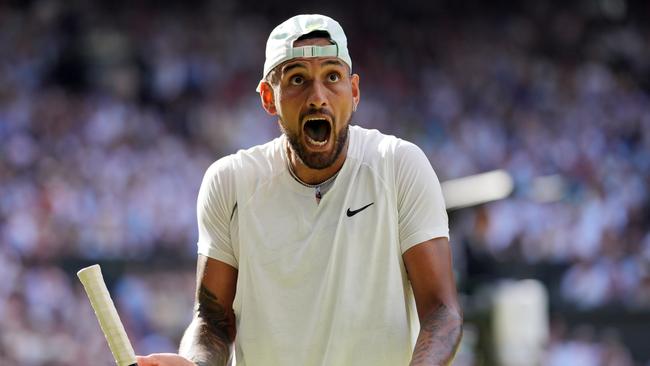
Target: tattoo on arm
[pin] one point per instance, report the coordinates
(440, 333)
(208, 340)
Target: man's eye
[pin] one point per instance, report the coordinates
(334, 77)
(297, 80)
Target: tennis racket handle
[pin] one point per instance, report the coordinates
(109, 321)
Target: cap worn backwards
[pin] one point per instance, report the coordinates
(279, 46)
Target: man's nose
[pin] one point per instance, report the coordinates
(317, 95)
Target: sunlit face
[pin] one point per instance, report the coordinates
(314, 101)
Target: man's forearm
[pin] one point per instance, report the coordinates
(208, 340)
(440, 333)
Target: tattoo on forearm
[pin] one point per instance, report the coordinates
(216, 317)
(440, 334)
(213, 332)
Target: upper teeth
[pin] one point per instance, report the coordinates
(314, 119)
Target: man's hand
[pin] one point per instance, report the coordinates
(164, 359)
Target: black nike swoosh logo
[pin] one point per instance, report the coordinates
(351, 213)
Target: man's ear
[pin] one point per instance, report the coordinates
(268, 98)
(356, 91)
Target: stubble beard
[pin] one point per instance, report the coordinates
(316, 160)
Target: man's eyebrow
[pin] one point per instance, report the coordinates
(292, 66)
(332, 62)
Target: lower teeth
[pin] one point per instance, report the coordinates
(317, 143)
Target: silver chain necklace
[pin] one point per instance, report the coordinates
(319, 189)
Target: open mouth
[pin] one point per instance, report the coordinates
(317, 131)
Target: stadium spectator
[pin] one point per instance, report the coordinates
(109, 119)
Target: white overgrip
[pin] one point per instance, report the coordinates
(93, 282)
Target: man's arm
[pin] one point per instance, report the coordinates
(430, 271)
(208, 341)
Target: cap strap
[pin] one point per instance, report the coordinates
(315, 51)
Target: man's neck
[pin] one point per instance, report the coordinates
(316, 176)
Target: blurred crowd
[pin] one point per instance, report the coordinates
(584, 347)
(110, 114)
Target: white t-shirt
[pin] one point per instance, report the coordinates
(322, 283)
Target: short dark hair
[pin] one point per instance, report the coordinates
(314, 34)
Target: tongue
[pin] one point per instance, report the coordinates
(317, 130)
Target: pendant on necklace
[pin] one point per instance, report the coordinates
(319, 195)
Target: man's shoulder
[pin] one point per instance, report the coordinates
(263, 154)
(369, 134)
(372, 143)
(253, 163)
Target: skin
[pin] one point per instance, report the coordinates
(313, 87)
(430, 272)
(319, 87)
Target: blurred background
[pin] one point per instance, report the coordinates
(110, 112)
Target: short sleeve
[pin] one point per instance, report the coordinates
(215, 208)
(421, 206)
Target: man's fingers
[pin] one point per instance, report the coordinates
(146, 361)
(163, 359)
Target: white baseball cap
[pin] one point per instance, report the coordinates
(279, 46)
